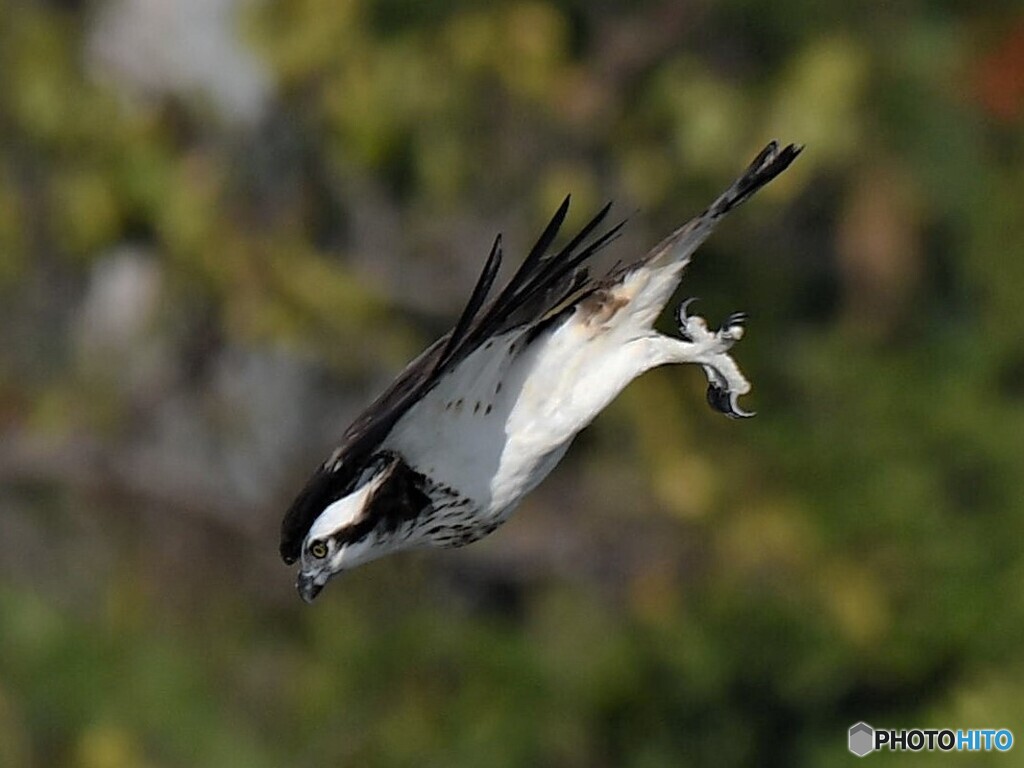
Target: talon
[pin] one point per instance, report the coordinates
(733, 326)
(681, 312)
(724, 401)
(683, 319)
(716, 397)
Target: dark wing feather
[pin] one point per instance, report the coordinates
(529, 296)
(476, 300)
(540, 283)
(533, 259)
(558, 273)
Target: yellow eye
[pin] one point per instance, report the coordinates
(318, 550)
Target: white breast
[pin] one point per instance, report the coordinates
(503, 419)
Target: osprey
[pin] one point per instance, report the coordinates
(474, 423)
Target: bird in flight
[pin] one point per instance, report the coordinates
(473, 424)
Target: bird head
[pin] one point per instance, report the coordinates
(341, 537)
(363, 525)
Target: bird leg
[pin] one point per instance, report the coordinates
(710, 350)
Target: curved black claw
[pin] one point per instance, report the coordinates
(682, 316)
(736, 318)
(685, 305)
(724, 401)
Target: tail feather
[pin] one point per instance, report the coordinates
(661, 267)
(768, 164)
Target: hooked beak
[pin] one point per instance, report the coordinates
(307, 587)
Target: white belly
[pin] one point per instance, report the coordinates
(495, 443)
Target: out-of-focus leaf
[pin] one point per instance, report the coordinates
(820, 98)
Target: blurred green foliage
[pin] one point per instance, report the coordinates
(750, 590)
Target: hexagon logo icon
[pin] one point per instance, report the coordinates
(861, 739)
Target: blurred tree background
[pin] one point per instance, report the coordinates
(224, 225)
